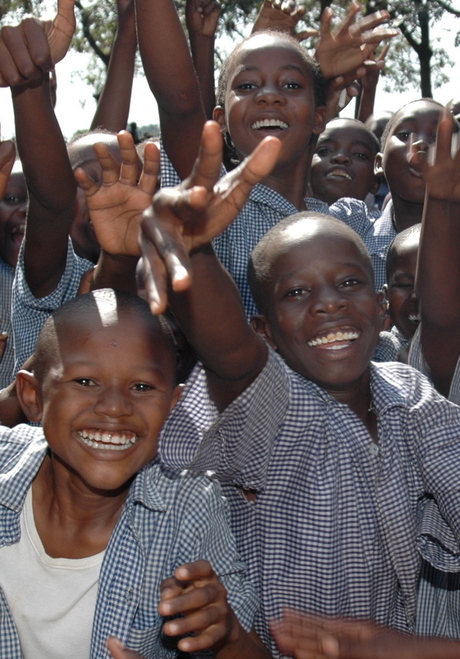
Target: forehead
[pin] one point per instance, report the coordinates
(416, 112)
(100, 333)
(346, 131)
(266, 51)
(316, 247)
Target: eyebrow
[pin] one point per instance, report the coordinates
(354, 142)
(287, 67)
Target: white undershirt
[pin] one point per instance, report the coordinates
(52, 600)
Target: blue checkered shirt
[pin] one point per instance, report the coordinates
(439, 593)
(169, 518)
(28, 313)
(334, 527)
(378, 240)
(6, 285)
(390, 345)
(263, 210)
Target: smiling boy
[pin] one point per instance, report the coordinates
(96, 524)
(326, 458)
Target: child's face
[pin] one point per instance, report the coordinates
(406, 149)
(402, 298)
(324, 316)
(105, 398)
(270, 92)
(13, 208)
(343, 163)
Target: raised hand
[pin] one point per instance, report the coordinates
(192, 214)
(283, 16)
(345, 49)
(202, 16)
(116, 204)
(35, 46)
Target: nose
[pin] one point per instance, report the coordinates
(269, 92)
(113, 402)
(328, 300)
(341, 158)
(419, 142)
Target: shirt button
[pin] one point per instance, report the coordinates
(129, 594)
(373, 449)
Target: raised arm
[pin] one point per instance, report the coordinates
(113, 106)
(283, 16)
(27, 53)
(438, 269)
(176, 247)
(171, 76)
(202, 17)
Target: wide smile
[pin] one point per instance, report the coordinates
(270, 124)
(334, 340)
(107, 440)
(339, 173)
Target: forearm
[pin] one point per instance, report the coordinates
(366, 104)
(113, 106)
(117, 272)
(202, 48)
(51, 185)
(438, 286)
(211, 316)
(244, 646)
(171, 76)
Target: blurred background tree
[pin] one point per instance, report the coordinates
(415, 59)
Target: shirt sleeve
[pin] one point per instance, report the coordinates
(28, 313)
(237, 444)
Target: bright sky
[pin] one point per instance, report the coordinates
(76, 106)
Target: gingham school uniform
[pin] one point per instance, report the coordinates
(169, 518)
(263, 210)
(390, 345)
(378, 240)
(28, 313)
(334, 527)
(439, 593)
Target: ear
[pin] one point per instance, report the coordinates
(177, 393)
(218, 114)
(320, 120)
(387, 320)
(382, 312)
(260, 324)
(28, 392)
(378, 168)
(374, 187)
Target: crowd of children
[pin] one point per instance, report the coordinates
(259, 458)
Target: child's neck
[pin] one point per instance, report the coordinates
(359, 399)
(72, 522)
(405, 213)
(291, 181)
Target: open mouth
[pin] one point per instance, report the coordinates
(334, 340)
(414, 318)
(339, 173)
(270, 124)
(103, 439)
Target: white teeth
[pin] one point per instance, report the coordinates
(339, 173)
(414, 318)
(269, 123)
(101, 439)
(332, 337)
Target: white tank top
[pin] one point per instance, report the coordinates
(52, 600)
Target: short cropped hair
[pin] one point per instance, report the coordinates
(261, 260)
(396, 243)
(46, 348)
